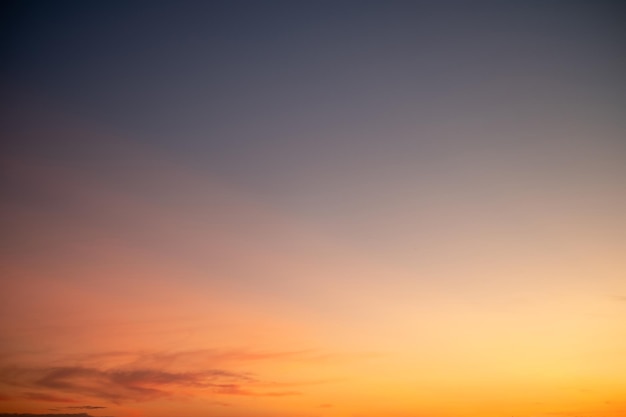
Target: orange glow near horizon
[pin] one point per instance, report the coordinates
(99, 322)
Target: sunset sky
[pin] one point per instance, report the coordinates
(313, 208)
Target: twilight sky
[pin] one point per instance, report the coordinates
(313, 209)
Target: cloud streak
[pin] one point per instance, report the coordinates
(86, 407)
(39, 396)
(44, 415)
(129, 382)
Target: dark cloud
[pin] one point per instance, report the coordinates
(78, 407)
(44, 415)
(86, 407)
(119, 385)
(142, 376)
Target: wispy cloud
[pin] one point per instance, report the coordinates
(44, 415)
(86, 407)
(40, 396)
(119, 385)
(192, 359)
(80, 407)
(134, 381)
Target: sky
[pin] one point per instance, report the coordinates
(313, 209)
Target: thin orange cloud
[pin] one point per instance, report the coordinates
(40, 396)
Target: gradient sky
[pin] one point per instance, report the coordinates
(313, 209)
